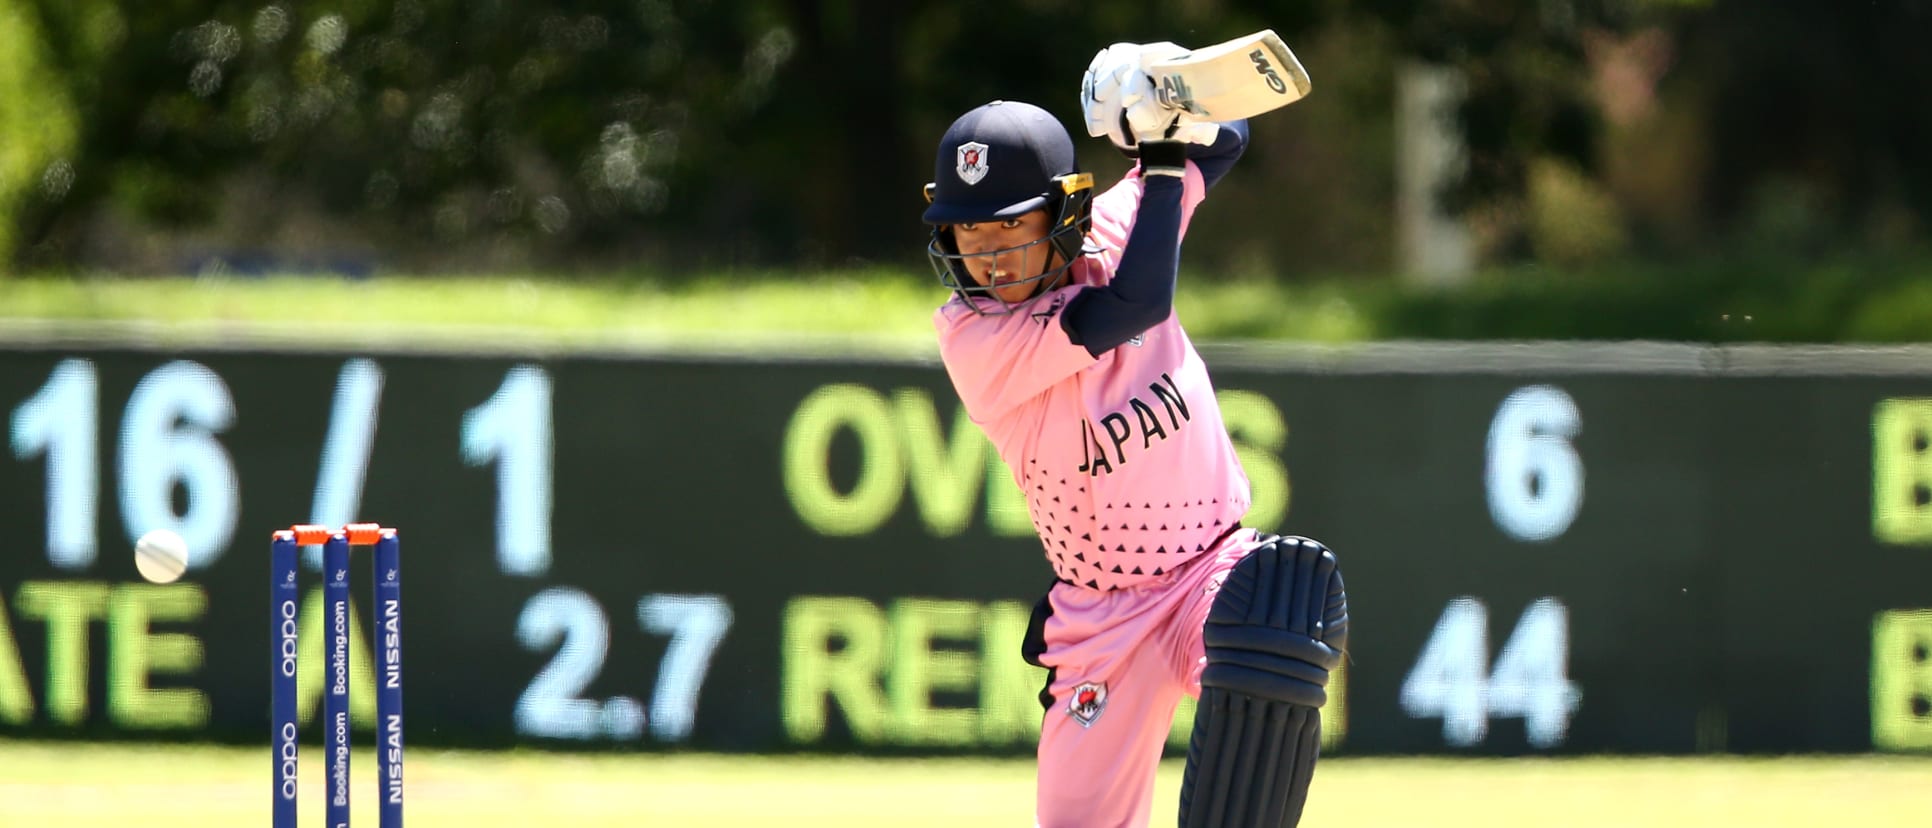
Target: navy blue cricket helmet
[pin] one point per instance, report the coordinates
(999, 161)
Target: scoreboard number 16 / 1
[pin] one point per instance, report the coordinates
(169, 449)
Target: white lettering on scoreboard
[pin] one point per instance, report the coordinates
(1452, 679)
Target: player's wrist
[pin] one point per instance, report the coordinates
(1167, 158)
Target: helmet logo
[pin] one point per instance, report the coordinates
(972, 162)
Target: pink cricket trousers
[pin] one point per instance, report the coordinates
(1119, 663)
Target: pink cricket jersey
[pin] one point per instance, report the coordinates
(1127, 468)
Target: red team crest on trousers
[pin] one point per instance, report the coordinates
(1088, 701)
(972, 162)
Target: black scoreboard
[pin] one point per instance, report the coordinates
(1548, 548)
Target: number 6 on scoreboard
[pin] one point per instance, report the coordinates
(1529, 681)
(1531, 471)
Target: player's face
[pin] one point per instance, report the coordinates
(1002, 252)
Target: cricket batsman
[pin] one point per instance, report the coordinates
(1061, 341)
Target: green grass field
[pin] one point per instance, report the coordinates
(45, 784)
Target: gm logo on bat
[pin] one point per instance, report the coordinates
(1267, 70)
(1176, 94)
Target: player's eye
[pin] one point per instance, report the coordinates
(966, 226)
(1010, 224)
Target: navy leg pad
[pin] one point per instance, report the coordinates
(1278, 626)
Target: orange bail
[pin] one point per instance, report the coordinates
(362, 534)
(308, 535)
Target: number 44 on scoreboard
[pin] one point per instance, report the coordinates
(1452, 681)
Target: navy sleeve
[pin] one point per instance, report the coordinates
(1141, 294)
(1216, 159)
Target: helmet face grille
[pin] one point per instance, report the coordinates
(951, 268)
(1070, 204)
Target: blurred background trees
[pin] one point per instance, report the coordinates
(689, 135)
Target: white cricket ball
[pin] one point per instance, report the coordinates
(161, 555)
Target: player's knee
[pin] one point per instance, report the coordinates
(1279, 624)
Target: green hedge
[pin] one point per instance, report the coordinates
(1870, 299)
(1855, 299)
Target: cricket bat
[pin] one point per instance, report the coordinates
(1241, 78)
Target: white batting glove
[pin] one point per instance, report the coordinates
(1196, 132)
(1150, 121)
(1117, 98)
(1113, 81)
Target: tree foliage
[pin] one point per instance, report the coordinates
(37, 122)
(577, 134)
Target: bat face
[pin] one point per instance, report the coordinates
(1241, 78)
